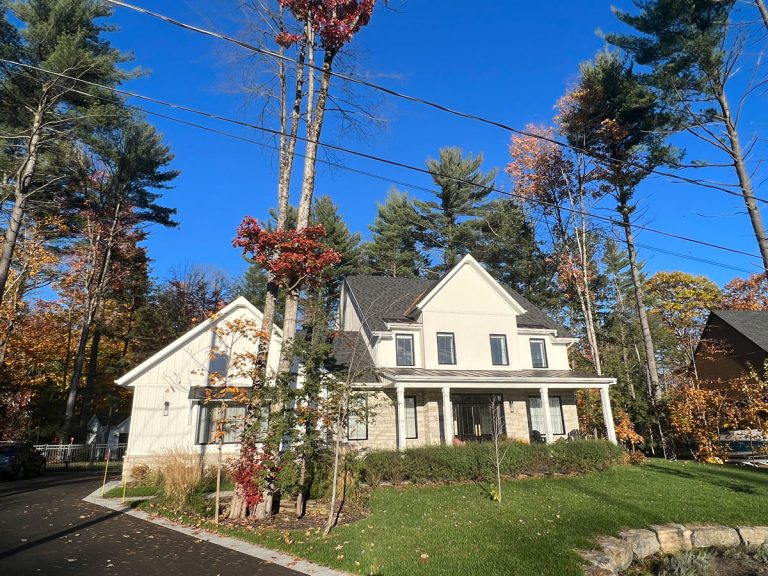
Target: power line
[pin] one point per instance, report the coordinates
(410, 185)
(425, 102)
(376, 158)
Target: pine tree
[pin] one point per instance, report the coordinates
(462, 190)
(40, 108)
(339, 238)
(393, 249)
(694, 49)
(505, 243)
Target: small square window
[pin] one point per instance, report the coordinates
(538, 353)
(499, 355)
(446, 348)
(404, 349)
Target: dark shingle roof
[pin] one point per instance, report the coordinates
(350, 353)
(383, 299)
(753, 324)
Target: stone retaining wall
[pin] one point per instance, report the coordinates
(616, 554)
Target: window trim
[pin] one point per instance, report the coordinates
(544, 356)
(415, 418)
(453, 348)
(506, 349)
(562, 415)
(360, 398)
(413, 349)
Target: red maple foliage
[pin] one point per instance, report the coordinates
(290, 256)
(334, 21)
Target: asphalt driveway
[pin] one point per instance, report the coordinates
(46, 528)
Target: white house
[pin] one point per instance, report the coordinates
(435, 361)
(111, 430)
(170, 408)
(445, 351)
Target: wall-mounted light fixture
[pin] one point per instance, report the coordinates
(166, 401)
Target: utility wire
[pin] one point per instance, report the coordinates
(412, 186)
(429, 103)
(375, 158)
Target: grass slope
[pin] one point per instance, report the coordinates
(458, 530)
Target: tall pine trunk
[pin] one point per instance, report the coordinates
(745, 183)
(645, 329)
(21, 192)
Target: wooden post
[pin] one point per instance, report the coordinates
(218, 482)
(605, 400)
(106, 469)
(447, 416)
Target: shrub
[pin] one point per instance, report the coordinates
(139, 473)
(475, 461)
(182, 473)
(685, 564)
(635, 458)
(760, 553)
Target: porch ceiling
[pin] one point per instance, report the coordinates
(505, 378)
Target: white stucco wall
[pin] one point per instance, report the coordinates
(472, 308)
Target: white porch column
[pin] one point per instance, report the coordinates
(447, 416)
(605, 400)
(400, 417)
(544, 392)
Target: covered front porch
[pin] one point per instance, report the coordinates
(411, 410)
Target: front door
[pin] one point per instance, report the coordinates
(473, 417)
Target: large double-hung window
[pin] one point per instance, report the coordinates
(446, 348)
(555, 415)
(404, 350)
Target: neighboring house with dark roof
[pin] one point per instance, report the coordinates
(111, 429)
(732, 343)
(429, 358)
(444, 351)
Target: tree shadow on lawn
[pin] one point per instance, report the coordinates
(748, 482)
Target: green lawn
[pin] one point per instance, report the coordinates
(458, 530)
(131, 491)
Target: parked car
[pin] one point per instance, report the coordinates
(18, 459)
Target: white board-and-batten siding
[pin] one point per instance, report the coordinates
(168, 377)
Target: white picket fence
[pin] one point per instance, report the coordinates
(80, 456)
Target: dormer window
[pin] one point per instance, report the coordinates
(404, 349)
(446, 348)
(539, 353)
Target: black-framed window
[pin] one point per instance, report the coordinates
(536, 412)
(539, 353)
(499, 355)
(411, 425)
(404, 350)
(212, 416)
(357, 419)
(446, 348)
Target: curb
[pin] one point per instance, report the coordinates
(265, 554)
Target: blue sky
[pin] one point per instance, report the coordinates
(507, 60)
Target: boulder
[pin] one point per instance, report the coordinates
(619, 551)
(713, 536)
(644, 542)
(673, 538)
(754, 535)
(598, 563)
